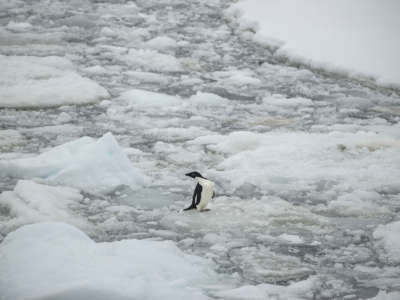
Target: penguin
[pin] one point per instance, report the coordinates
(203, 192)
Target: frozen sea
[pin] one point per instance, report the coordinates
(105, 105)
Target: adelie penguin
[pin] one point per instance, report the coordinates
(203, 192)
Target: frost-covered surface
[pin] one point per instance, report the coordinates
(360, 37)
(305, 165)
(28, 81)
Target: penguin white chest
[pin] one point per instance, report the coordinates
(206, 192)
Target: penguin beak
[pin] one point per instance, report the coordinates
(188, 174)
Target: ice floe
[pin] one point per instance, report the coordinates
(58, 261)
(32, 202)
(387, 239)
(88, 164)
(27, 81)
(317, 34)
(286, 161)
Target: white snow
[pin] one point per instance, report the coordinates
(161, 43)
(31, 202)
(358, 203)
(388, 242)
(383, 295)
(295, 291)
(151, 60)
(27, 81)
(141, 99)
(201, 99)
(86, 163)
(358, 36)
(58, 261)
(284, 161)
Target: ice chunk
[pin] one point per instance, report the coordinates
(295, 291)
(152, 60)
(383, 295)
(10, 138)
(294, 239)
(208, 99)
(388, 242)
(230, 214)
(239, 141)
(88, 164)
(161, 43)
(58, 261)
(294, 160)
(19, 27)
(261, 265)
(27, 81)
(359, 203)
(33, 202)
(236, 77)
(144, 99)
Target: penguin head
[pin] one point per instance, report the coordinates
(194, 174)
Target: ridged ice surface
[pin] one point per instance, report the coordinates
(306, 165)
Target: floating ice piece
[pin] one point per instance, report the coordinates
(145, 99)
(296, 160)
(237, 77)
(88, 164)
(383, 295)
(208, 99)
(10, 138)
(58, 261)
(161, 43)
(33, 202)
(294, 239)
(358, 203)
(27, 81)
(231, 214)
(294, 291)
(19, 27)
(153, 60)
(388, 242)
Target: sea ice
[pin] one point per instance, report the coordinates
(86, 163)
(284, 161)
(295, 291)
(27, 81)
(360, 37)
(141, 99)
(58, 261)
(387, 239)
(31, 202)
(151, 60)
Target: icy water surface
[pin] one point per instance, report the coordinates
(305, 164)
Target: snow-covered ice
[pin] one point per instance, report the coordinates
(28, 81)
(58, 261)
(86, 163)
(387, 239)
(359, 37)
(31, 202)
(305, 162)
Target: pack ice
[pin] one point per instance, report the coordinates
(86, 163)
(58, 261)
(31, 202)
(28, 81)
